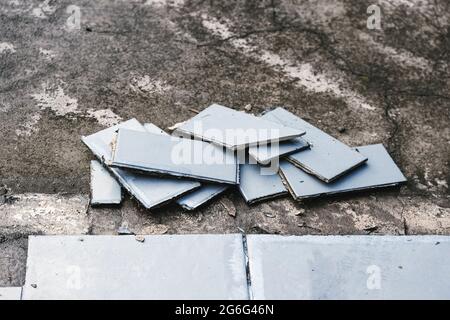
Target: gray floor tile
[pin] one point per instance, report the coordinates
(121, 267)
(104, 187)
(326, 158)
(185, 158)
(234, 129)
(349, 267)
(379, 171)
(11, 293)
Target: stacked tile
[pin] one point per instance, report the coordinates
(220, 149)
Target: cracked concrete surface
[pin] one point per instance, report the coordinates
(156, 60)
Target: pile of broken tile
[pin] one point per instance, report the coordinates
(220, 149)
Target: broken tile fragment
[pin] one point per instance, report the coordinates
(327, 158)
(348, 267)
(183, 158)
(379, 171)
(265, 154)
(201, 196)
(151, 192)
(259, 183)
(195, 199)
(136, 267)
(104, 188)
(234, 129)
(150, 127)
(100, 143)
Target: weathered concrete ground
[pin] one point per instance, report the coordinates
(156, 59)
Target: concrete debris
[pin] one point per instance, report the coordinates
(175, 126)
(229, 207)
(265, 157)
(194, 110)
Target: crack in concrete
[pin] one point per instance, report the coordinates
(304, 73)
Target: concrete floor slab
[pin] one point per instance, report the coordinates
(128, 267)
(349, 267)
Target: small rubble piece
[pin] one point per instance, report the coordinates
(140, 238)
(229, 207)
(232, 125)
(6, 196)
(153, 229)
(123, 230)
(265, 157)
(177, 267)
(104, 188)
(371, 229)
(176, 126)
